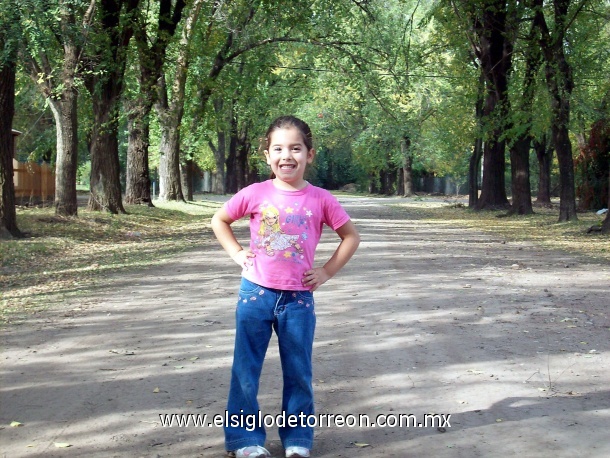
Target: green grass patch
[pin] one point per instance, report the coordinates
(541, 228)
(65, 257)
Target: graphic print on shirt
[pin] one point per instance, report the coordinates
(276, 234)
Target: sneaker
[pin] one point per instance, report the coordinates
(297, 452)
(253, 451)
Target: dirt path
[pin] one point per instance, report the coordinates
(512, 341)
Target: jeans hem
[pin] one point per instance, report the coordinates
(241, 443)
(298, 443)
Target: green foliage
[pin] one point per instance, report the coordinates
(83, 174)
(33, 118)
(363, 81)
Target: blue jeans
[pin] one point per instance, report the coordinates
(291, 315)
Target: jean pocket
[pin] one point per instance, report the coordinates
(247, 288)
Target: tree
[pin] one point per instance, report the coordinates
(246, 30)
(170, 108)
(54, 58)
(544, 154)
(151, 57)
(522, 127)
(560, 83)
(247, 27)
(492, 43)
(9, 40)
(596, 157)
(105, 81)
(591, 105)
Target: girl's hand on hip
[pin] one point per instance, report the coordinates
(315, 278)
(244, 258)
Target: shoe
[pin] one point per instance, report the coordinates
(297, 452)
(253, 451)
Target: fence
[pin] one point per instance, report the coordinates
(34, 183)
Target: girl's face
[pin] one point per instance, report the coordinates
(288, 157)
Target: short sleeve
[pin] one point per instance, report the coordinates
(238, 206)
(335, 214)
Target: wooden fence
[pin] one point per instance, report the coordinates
(34, 183)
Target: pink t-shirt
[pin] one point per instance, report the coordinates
(285, 228)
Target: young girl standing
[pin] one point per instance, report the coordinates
(278, 280)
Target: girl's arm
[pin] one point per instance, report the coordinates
(221, 224)
(350, 239)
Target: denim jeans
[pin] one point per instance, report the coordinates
(291, 315)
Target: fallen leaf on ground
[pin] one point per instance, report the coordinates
(14, 424)
(474, 372)
(122, 352)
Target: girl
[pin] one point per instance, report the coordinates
(278, 281)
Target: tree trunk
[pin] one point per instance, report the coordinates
(105, 85)
(218, 177)
(8, 215)
(567, 191)
(220, 151)
(373, 180)
(407, 177)
(520, 173)
(606, 223)
(495, 53)
(231, 162)
(387, 178)
(242, 169)
(520, 150)
(493, 187)
(187, 178)
(137, 179)
(66, 126)
(170, 186)
(407, 167)
(105, 168)
(544, 153)
(474, 166)
(65, 113)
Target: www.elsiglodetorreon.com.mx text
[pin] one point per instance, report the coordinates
(324, 420)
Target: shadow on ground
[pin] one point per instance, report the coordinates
(503, 337)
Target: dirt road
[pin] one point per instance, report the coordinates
(510, 340)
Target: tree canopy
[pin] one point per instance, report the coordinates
(117, 94)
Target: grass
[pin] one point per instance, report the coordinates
(541, 228)
(65, 258)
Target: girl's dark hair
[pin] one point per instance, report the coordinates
(286, 122)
